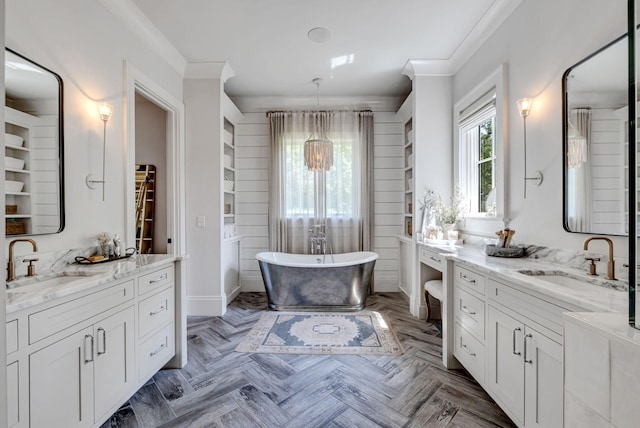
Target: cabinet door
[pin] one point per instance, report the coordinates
(61, 383)
(543, 381)
(505, 375)
(114, 366)
(13, 394)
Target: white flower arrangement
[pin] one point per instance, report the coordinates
(444, 213)
(103, 237)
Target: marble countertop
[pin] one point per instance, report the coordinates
(73, 278)
(598, 294)
(613, 325)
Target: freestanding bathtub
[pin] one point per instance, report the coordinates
(316, 282)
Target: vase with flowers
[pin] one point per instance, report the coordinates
(441, 218)
(104, 240)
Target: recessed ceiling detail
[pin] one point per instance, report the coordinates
(265, 42)
(319, 35)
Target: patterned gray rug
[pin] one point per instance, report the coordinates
(364, 332)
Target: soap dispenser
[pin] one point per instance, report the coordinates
(117, 246)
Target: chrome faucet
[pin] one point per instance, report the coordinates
(11, 271)
(611, 264)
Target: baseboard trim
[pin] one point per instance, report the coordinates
(206, 306)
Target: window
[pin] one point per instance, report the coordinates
(479, 164)
(477, 157)
(338, 199)
(306, 188)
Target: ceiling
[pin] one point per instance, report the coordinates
(266, 43)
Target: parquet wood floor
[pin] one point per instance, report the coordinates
(222, 388)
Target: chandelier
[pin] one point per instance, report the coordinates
(318, 149)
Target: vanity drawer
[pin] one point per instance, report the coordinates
(155, 311)
(433, 259)
(12, 336)
(468, 278)
(470, 352)
(57, 318)
(469, 311)
(156, 351)
(155, 280)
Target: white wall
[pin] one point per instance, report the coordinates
(538, 42)
(252, 192)
(84, 43)
(203, 124)
(151, 149)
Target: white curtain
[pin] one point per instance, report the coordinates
(339, 198)
(579, 184)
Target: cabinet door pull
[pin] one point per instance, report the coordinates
(525, 349)
(87, 360)
(104, 341)
(463, 346)
(466, 278)
(465, 309)
(434, 259)
(162, 309)
(151, 354)
(159, 279)
(513, 338)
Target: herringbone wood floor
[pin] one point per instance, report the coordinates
(222, 388)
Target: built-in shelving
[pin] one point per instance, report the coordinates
(229, 179)
(145, 192)
(19, 204)
(409, 209)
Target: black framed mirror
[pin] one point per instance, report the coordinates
(595, 143)
(34, 142)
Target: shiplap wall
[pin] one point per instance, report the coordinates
(607, 172)
(45, 178)
(252, 196)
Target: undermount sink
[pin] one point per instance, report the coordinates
(563, 280)
(49, 282)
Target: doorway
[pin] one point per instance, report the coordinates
(149, 105)
(151, 156)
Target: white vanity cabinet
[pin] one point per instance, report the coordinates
(510, 341)
(81, 356)
(524, 358)
(75, 381)
(468, 312)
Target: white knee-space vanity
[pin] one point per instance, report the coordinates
(82, 341)
(518, 327)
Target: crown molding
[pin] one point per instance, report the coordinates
(263, 104)
(137, 22)
(484, 28)
(209, 70)
(499, 11)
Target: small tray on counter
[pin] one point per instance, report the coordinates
(85, 260)
(510, 252)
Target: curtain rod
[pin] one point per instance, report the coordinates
(319, 111)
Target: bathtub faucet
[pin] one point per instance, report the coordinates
(319, 242)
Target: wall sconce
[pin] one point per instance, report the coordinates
(104, 110)
(524, 107)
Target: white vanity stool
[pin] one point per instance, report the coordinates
(433, 288)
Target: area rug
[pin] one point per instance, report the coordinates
(364, 332)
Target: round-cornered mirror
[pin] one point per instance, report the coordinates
(596, 185)
(34, 190)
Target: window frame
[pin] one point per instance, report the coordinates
(478, 222)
